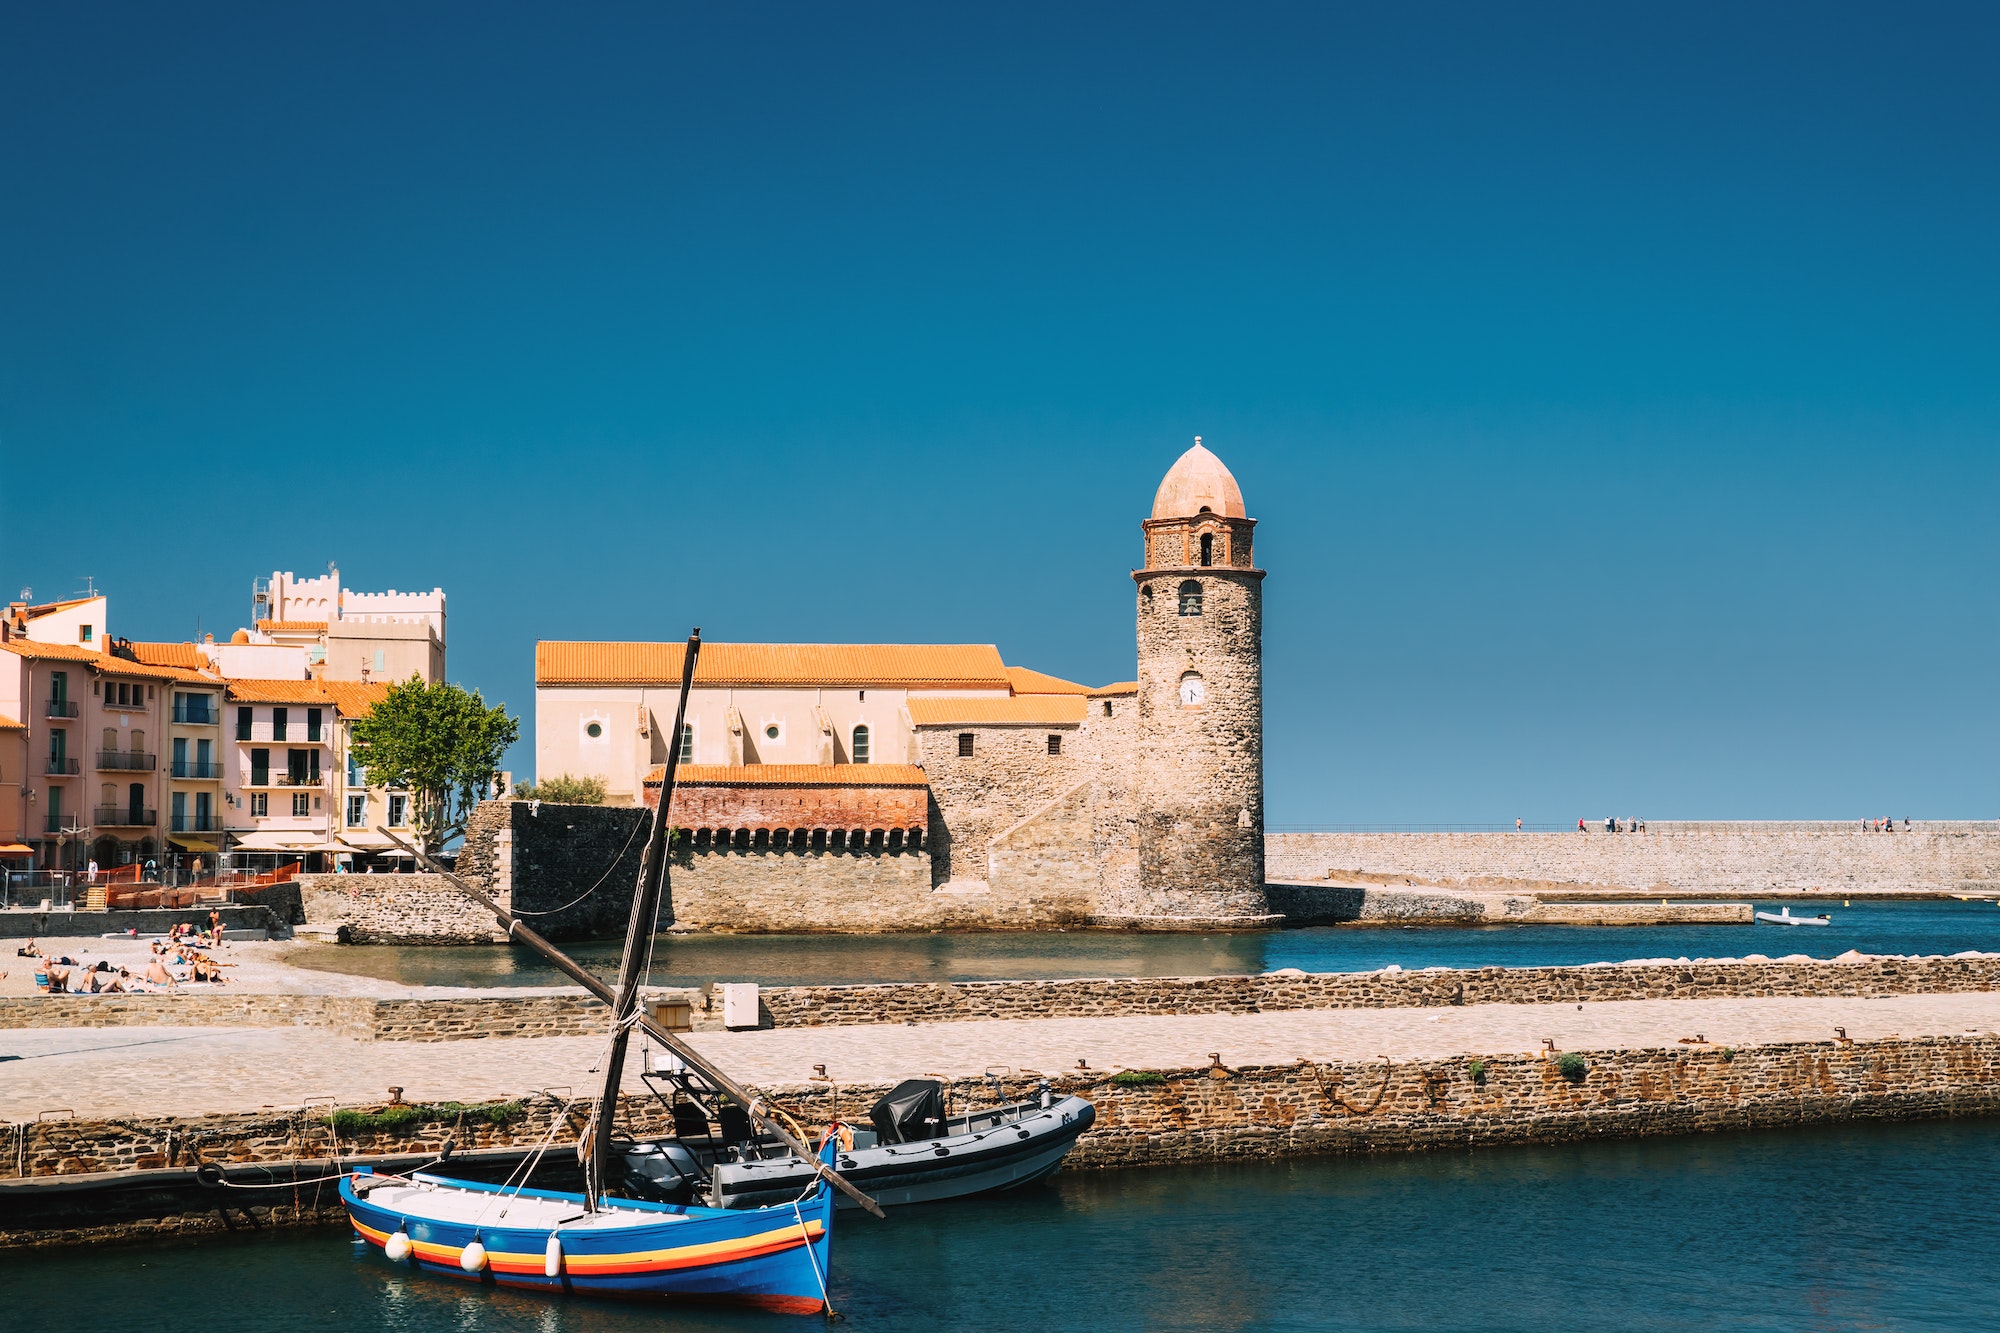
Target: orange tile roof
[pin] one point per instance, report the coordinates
(291, 626)
(102, 662)
(1023, 710)
(945, 665)
(1116, 687)
(1025, 681)
(792, 775)
(183, 655)
(25, 612)
(353, 698)
(9, 724)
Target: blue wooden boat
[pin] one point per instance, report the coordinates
(774, 1257)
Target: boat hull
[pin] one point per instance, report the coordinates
(775, 1258)
(1006, 1157)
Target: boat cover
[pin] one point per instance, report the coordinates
(911, 1111)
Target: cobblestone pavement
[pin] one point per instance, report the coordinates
(160, 1071)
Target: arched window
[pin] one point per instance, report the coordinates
(858, 750)
(1191, 598)
(1207, 548)
(686, 755)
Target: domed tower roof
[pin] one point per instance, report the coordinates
(1198, 481)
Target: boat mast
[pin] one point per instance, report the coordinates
(596, 1142)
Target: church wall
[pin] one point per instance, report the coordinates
(1009, 774)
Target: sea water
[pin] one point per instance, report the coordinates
(1858, 1227)
(1917, 927)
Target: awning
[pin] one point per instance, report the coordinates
(16, 849)
(193, 844)
(285, 840)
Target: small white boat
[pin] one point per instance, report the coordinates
(1783, 917)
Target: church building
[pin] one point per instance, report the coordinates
(819, 782)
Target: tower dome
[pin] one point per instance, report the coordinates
(1196, 482)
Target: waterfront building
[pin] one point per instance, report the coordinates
(1143, 798)
(289, 791)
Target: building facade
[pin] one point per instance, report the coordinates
(1139, 802)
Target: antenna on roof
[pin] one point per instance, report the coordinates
(27, 594)
(89, 586)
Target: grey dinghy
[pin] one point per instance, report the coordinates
(914, 1154)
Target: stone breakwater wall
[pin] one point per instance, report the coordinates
(394, 909)
(1699, 858)
(1178, 1116)
(571, 1013)
(1320, 903)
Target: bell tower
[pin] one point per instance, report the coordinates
(1199, 774)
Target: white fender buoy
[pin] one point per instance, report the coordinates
(552, 1258)
(472, 1258)
(397, 1247)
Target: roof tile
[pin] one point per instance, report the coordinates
(948, 665)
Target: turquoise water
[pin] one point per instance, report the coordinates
(775, 960)
(1880, 1227)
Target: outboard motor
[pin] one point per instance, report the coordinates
(661, 1173)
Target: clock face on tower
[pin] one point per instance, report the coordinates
(1192, 691)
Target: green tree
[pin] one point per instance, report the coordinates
(441, 744)
(562, 790)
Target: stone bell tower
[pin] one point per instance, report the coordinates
(1199, 771)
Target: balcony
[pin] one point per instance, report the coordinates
(189, 716)
(285, 780)
(125, 705)
(125, 816)
(64, 708)
(296, 733)
(197, 824)
(60, 824)
(61, 766)
(133, 760)
(208, 771)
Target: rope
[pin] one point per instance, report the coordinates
(825, 1300)
(1334, 1098)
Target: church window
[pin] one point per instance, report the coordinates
(771, 732)
(1055, 743)
(594, 730)
(1207, 548)
(1191, 598)
(1107, 708)
(965, 745)
(687, 743)
(858, 751)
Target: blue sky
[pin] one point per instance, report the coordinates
(1616, 389)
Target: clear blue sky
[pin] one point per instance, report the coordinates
(1617, 389)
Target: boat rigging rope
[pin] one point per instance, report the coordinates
(1334, 1098)
(826, 1301)
(636, 826)
(527, 1168)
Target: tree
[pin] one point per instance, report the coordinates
(441, 744)
(563, 790)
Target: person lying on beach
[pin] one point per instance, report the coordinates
(28, 950)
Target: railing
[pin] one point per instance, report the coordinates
(63, 708)
(61, 766)
(298, 780)
(196, 717)
(197, 824)
(135, 760)
(295, 733)
(60, 824)
(125, 816)
(126, 706)
(197, 768)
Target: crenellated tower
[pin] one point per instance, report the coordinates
(1199, 771)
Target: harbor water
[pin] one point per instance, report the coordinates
(1903, 927)
(1857, 1227)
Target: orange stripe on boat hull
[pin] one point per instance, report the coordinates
(611, 1265)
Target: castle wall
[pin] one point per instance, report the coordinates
(1009, 775)
(1715, 858)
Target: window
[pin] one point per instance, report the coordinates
(378, 659)
(243, 716)
(399, 807)
(687, 743)
(295, 766)
(281, 716)
(260, 804)
(1107, 708)
(357, 811)
(354, 777)
(179, 803)
(964, 745)
(1193, 693)
(858, 749)
(595, 730)
(180, 757)
(1191, 598)
(1207, 548)
(301, 805)
(312, 724)
(260, 767)
(83, 633)
(1055, 743)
